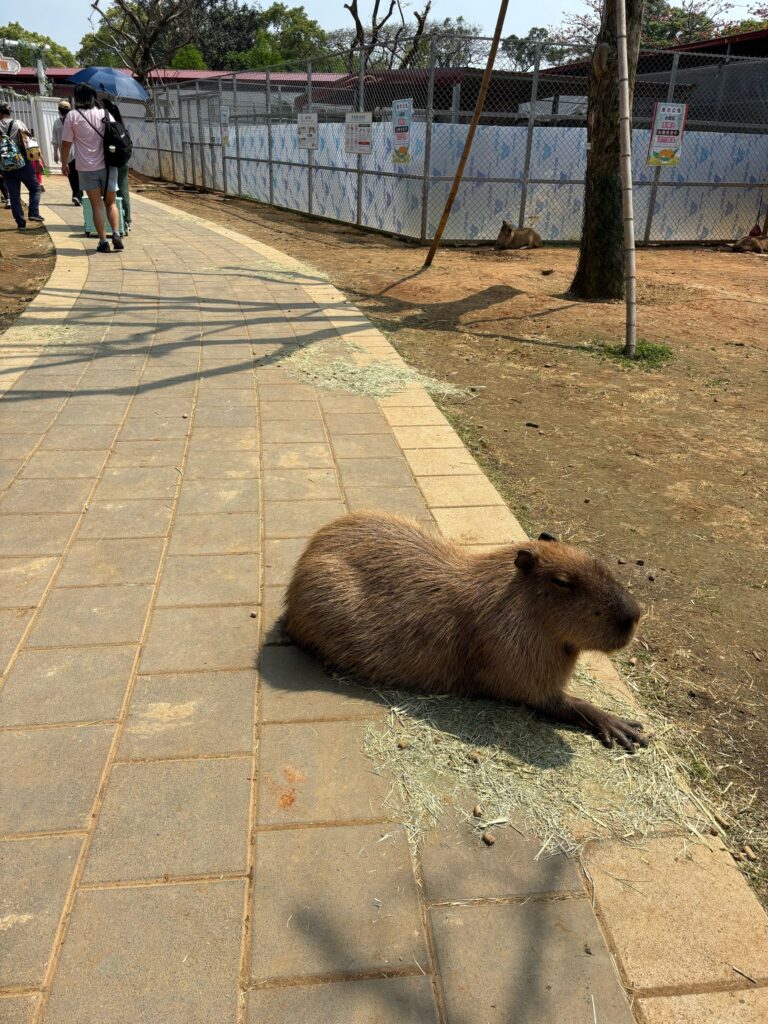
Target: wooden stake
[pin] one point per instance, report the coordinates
(470, 135)
(625, 157)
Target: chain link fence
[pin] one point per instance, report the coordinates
(239, 133)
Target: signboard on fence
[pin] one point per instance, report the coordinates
(224, 125)
(667, 134)
(9, 66)
(357, 133)
(402, 115)
(306, 127)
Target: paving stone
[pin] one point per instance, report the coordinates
(8, 471)
(189, 715)
(440, 462)
(164, 953)
(35, 875)
(138, 482)
(526, 963)
(138, 428)
(101, 562)
(301, 485)
(222, 439)
(223, 416)
(13, 622)
(79, 437)
(272, 629)
(148, 453)
(297, 456)
(375, 473)
(427, 437)
(286, 393)
(93, 410)
(216, 495)
(301, 411)
(127, 518)
(678, 913)
(405, 501)
(455, 865)
(456, 491)
(200, 639)
(406, 1000)
(66, 685)
(53, 495)
(290, 432)
(17, 446)
(485, 525)
(49, 465)
(231, 464)
(35, 534)
(316, 773)
(17, 1009)
(172, 818)
(744, 1006)
(217, 533)
(23, 580)
(294, 687)
(356, 910)
(334, 402)
(415, 416)
(366, 446)
(356, 423)
(91, 615)
(210, 579)
(49, 777)
(16, 421)
(289, 519)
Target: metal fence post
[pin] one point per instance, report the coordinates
(427, 169)
(361, 108)
(157, 145)
(657, 170)
(236, 125)
(269, 136)
(309, 151)
(200, 135)
(169, 106)
(529, 137)
(223, 146)
(181, 135)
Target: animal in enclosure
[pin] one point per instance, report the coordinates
(517, 238)
(386, 601)
(750, 243)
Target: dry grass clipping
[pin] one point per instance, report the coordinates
(556, 783)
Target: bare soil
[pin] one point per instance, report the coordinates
(26, 261)
(661, 472)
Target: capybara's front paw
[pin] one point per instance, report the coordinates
(611, 729)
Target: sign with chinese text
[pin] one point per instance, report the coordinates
(357, 133)
(667, 134)
(402, 115)
(9, 66)
(224, 126)
(306, 126)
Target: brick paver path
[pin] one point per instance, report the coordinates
(183, 838)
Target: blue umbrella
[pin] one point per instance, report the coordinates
(111, 81)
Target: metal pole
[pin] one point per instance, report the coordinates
(309, 151)
(200, 135)
(237, 135)
(529, 137)
(657, 170)
(181, 135)
(223, 147)
(157, 144)
(625, 156)
(269, 137)
(361, 108)
(470, 134)
(170, 131)
(429, 115)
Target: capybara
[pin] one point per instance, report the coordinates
(751, 244)
(390, 603)
(517, 238)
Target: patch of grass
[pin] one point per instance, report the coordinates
(650, 355)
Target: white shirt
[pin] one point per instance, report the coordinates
(56, 134)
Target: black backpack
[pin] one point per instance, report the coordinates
(117, 142)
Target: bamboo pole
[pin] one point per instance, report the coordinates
(470, 135)
(625, 139)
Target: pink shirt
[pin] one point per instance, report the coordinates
(85, 127)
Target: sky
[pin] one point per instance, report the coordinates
(66, 21)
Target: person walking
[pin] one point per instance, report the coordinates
(122, 172)
(74, 181)
(83, 126)
(16, 132)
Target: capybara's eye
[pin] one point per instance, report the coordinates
(562, 582)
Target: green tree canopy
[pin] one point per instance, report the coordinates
(26, 53)
(281, 34)
(189, 58)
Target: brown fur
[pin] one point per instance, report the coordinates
(751, 244)
(517, 238)
(386, 601)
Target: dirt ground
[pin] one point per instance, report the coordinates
(26, 262)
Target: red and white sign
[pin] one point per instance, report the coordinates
(9, 66)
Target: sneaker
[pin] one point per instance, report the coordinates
(103, 246)
(117, 242)
(22, 227)
(76, 201)
(7, 204)
(37, 218)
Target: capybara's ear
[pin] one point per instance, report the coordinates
(547, 536)
(525, 559)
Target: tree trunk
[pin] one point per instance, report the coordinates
(600, 271)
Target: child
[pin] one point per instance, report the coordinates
(35, 157)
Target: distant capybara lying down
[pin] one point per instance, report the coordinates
(517, 238)
(751, 243)
(392, 604)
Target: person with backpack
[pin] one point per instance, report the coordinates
(74, 181)
(16, 169)
(100, 149)
(122, 172)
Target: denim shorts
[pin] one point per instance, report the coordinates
(105, 179)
